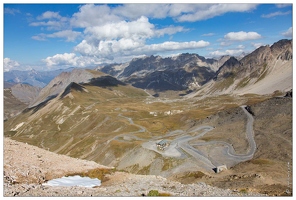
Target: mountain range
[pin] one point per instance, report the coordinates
(112, 116)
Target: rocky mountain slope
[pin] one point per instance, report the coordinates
(25, 93)
(182, 72)
(12, 106)
(17, 97)
(27, 167)
(60, 82)
(265, 70)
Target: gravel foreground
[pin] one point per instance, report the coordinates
(26, 167)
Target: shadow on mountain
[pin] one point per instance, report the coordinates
(72, 87)
(40, 105)
(175, 80)
(104, 82)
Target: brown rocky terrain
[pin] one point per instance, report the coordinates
(26, 167)
(270, 170)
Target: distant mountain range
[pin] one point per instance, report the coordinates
(265, 70)
(32, 77)
(182, 72)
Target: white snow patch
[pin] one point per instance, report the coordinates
(74, 181)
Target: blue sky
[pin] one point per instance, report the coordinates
(54, 36)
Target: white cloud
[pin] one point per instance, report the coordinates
(225, 43)
(242, 36)
(51, 20)
(139, 29)
(121, 31)
(61, 59)
(134, 11)
(69, 35)
(9, 64)
(93, 15)
(169, 30)
(172, 46)
(275, 14)
(69, 60)
(51, 24)
(96, 15)
(230, 52)
(113, 49)
(11, 11)
(257, 45)
(125, 38)
(241, 46)
(40, 37)
(49, 15)
(208, 34)
(207, 11)
(288, 33)
(283, 5)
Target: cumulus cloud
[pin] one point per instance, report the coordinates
(49, 15)
(288, 33)
(51, 20)
(125, 38)
(242, 36)
(275, 14)
(69, 59)
(61, 59)
(111, 49)
(9, 64)
(93, 15)
(172, 46)
(112, 33)
(134, 11)
(180, 12)
(138, 29)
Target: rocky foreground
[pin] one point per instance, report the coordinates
(26, 167)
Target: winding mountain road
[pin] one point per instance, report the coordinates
(182, 142)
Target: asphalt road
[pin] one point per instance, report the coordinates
(182, 142)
